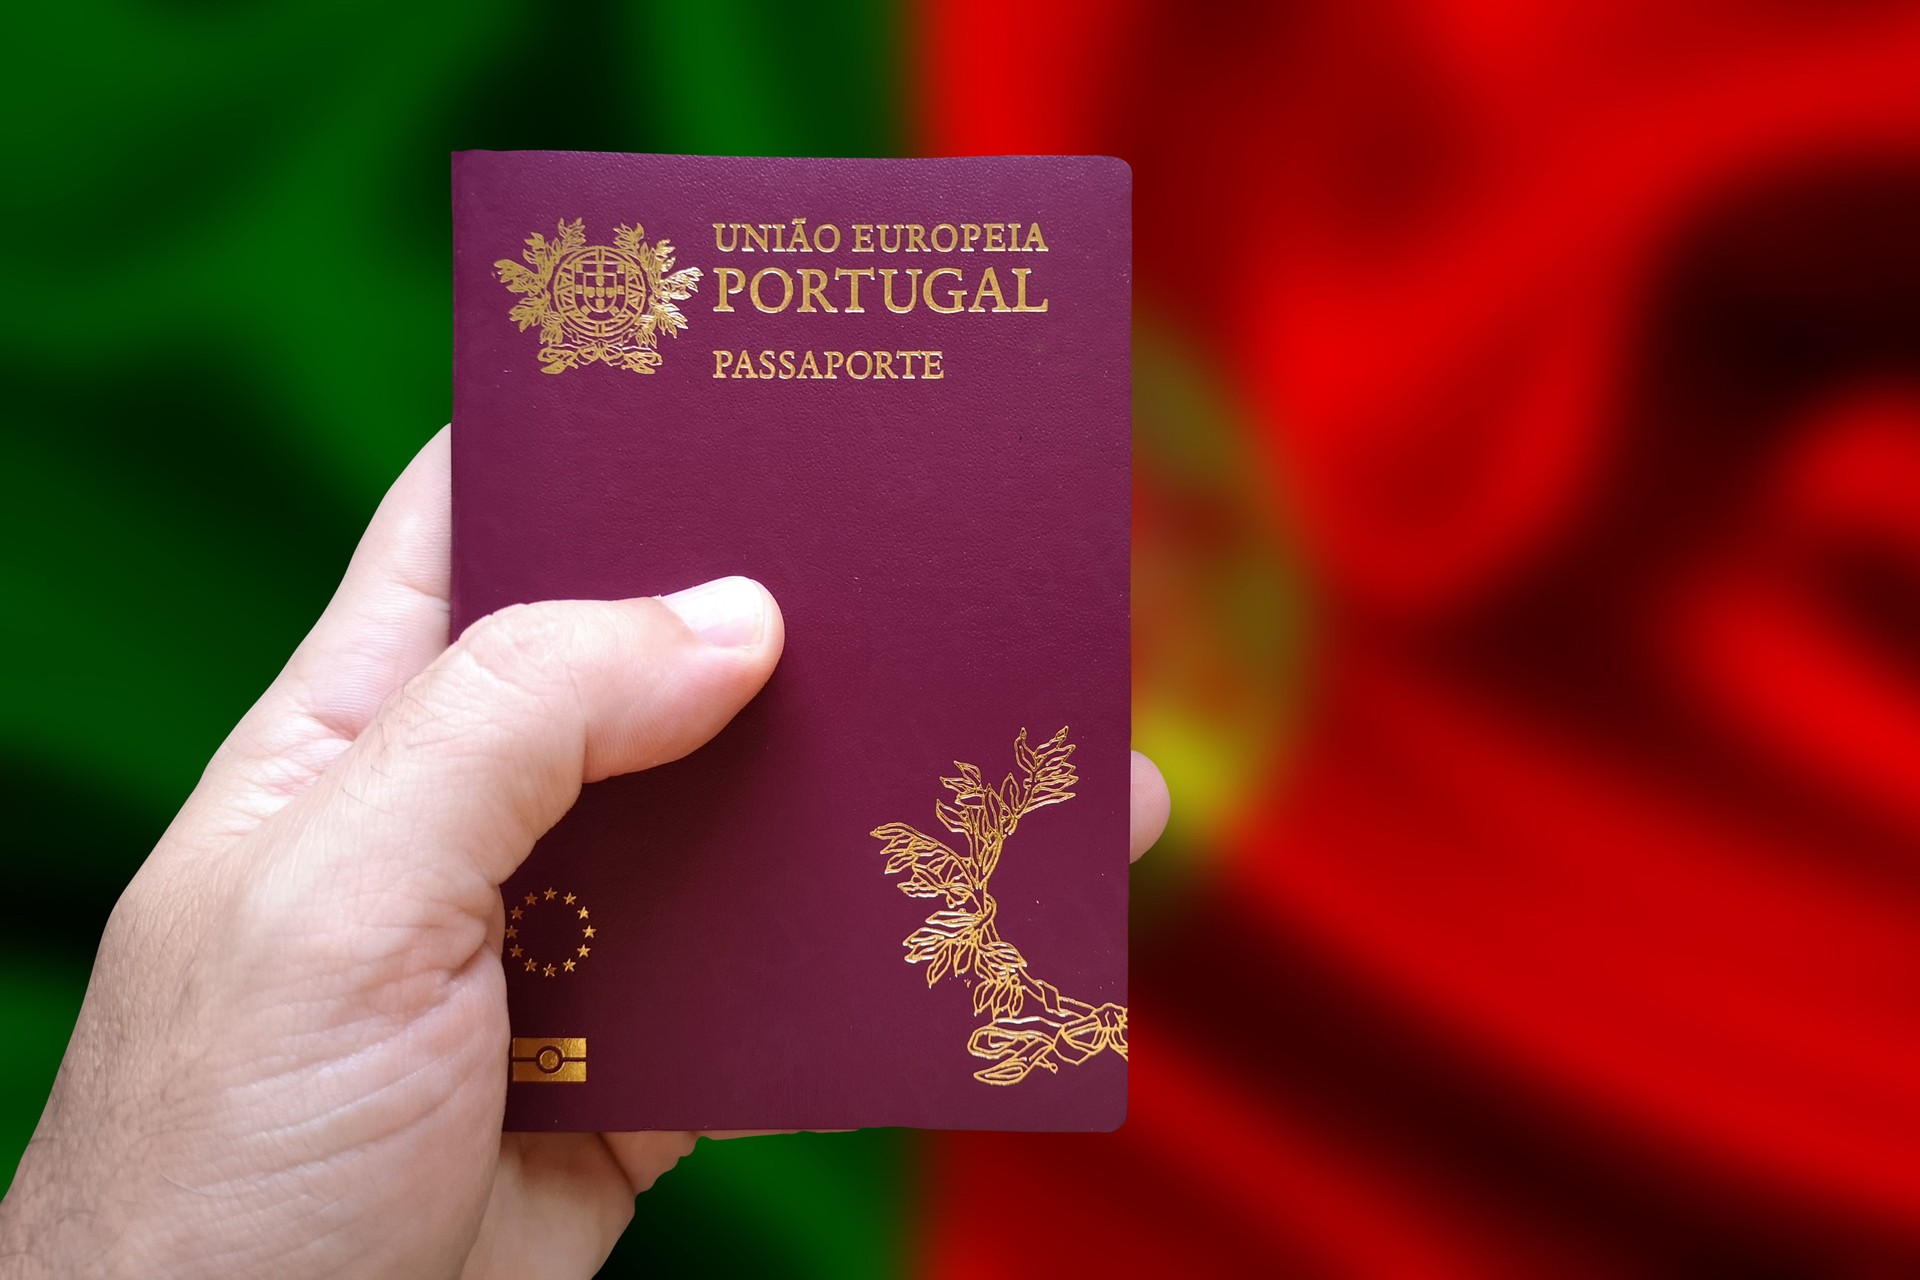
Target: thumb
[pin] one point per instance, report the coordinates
(477, 756)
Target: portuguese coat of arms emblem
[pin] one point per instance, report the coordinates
(598, 303)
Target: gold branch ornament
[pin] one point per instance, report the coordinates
(963, 940)
(598, 303)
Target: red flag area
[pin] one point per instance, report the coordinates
(1579, 930)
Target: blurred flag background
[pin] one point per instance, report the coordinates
(1527, 568)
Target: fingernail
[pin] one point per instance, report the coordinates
(730, 613)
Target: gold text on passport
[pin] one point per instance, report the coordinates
(946, 290)
(822, 366)
(880, 237)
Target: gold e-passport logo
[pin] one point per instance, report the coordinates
(549, 1059)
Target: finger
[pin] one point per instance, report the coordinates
(1151, 807)
(643, 1157)
(477, 756)
(561, 1200)
(727, 1135)
(388, 618)
(386, 621)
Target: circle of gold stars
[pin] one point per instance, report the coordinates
(567, 903)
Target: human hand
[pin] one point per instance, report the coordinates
(288, 1061)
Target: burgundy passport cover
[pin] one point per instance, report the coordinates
(894, 890)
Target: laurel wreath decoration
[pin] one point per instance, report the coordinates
(963, 940)
(578, 326)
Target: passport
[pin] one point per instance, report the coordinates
(894, 890)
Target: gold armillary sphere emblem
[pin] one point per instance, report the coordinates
(598, 303)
